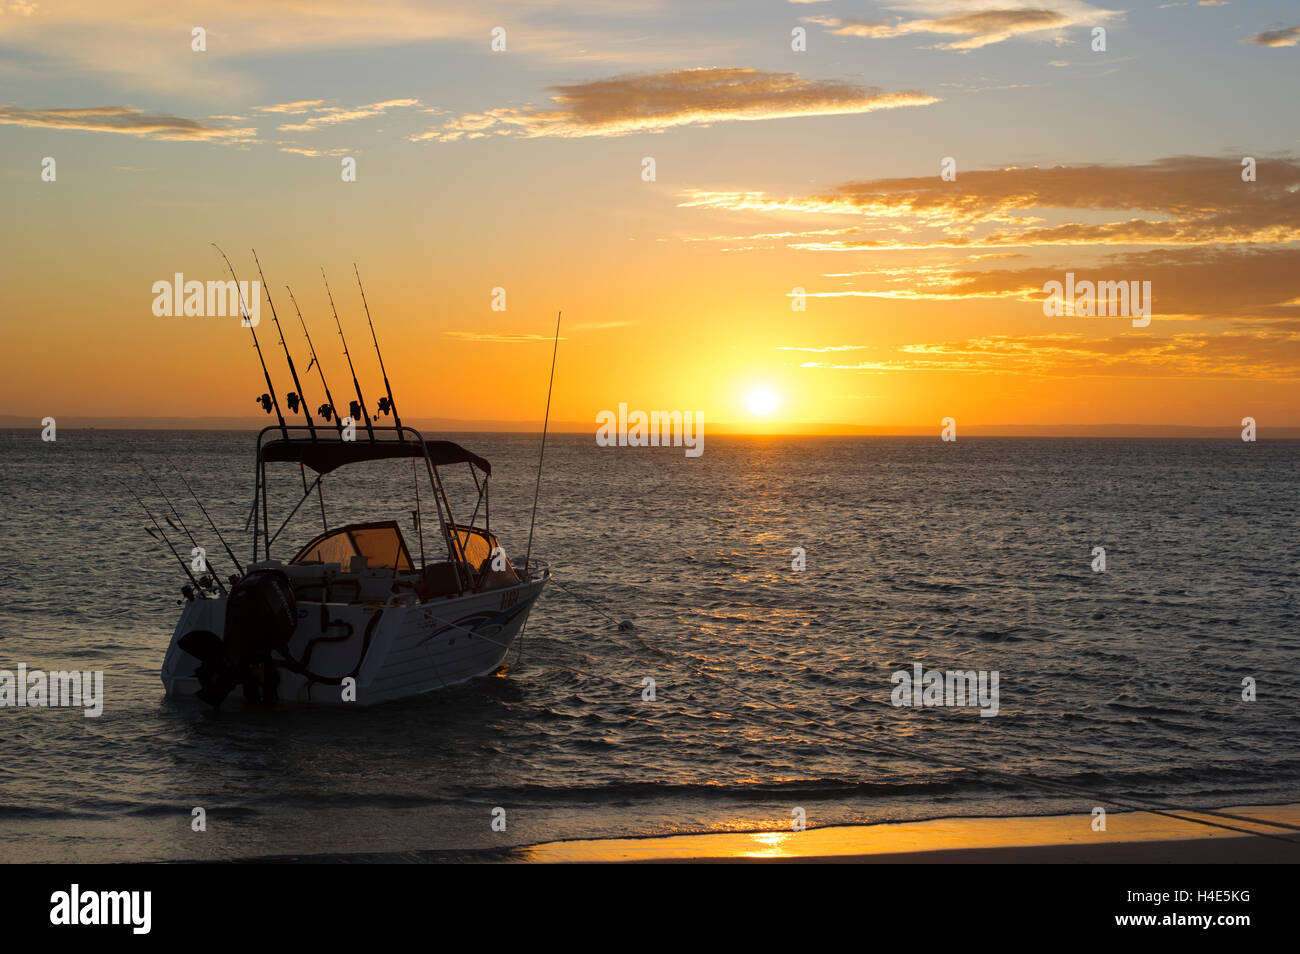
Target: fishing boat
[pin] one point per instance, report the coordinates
(351, 617)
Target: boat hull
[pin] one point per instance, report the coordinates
(392, 651)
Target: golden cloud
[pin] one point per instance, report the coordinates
(1220, 283)
(1267, 355)
(979, 28)
(1288, 36)
(123, 119)
(329, 115)
(1179, 201)
(653, 102)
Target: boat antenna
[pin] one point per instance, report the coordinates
(179, 559)
(327, 410)
(212, 571)
(268, 399)
(545, 421)
(181, 475)
(386, 404)
(359, 405)
(295, 398)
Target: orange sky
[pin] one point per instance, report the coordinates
(776, 169)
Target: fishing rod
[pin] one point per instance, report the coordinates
(296, 398)
(359, 405)
(204, 509)
(208, 567)
(385, 404)
(267, 400)
(179, 559)
(327, 411)
(545, 421)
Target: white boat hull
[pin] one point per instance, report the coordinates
(391, 651)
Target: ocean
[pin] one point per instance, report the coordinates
(772, 686)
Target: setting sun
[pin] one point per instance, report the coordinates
(762, 401)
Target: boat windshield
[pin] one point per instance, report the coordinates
(477, 544)
(380, 543)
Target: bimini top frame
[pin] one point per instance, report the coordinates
(326, 453)
(322, 452)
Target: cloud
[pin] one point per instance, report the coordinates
(329, 115)
(1177, 201)
(129, 121)
(315, 153)
(1223, 284)
(488, 336)
(982, 28)
(770, 236)
(1214, 248)
(146, 45)
(1264, 355)
(1288, 36)
(653, 102)
(301, 106)
(979, 28)
(601, 325)
(123, 119)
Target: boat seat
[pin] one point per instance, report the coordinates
(490, 579)
(440, 579)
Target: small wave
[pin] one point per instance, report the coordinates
(18, 812)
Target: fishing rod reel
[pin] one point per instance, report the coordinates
(326, 411)
(355, 410)
(385, 405)
(205, 587)
(266, 401)
(293, 400)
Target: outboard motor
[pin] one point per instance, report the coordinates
(261, 615)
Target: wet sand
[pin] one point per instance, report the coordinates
(1130, 837)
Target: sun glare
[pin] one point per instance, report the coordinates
(762, 401)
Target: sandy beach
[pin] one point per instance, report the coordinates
(1129, 838)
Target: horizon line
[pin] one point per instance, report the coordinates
(721, 429)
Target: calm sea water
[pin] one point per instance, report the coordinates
(973, 555)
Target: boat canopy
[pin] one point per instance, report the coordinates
(380, 543)
(324, 456)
